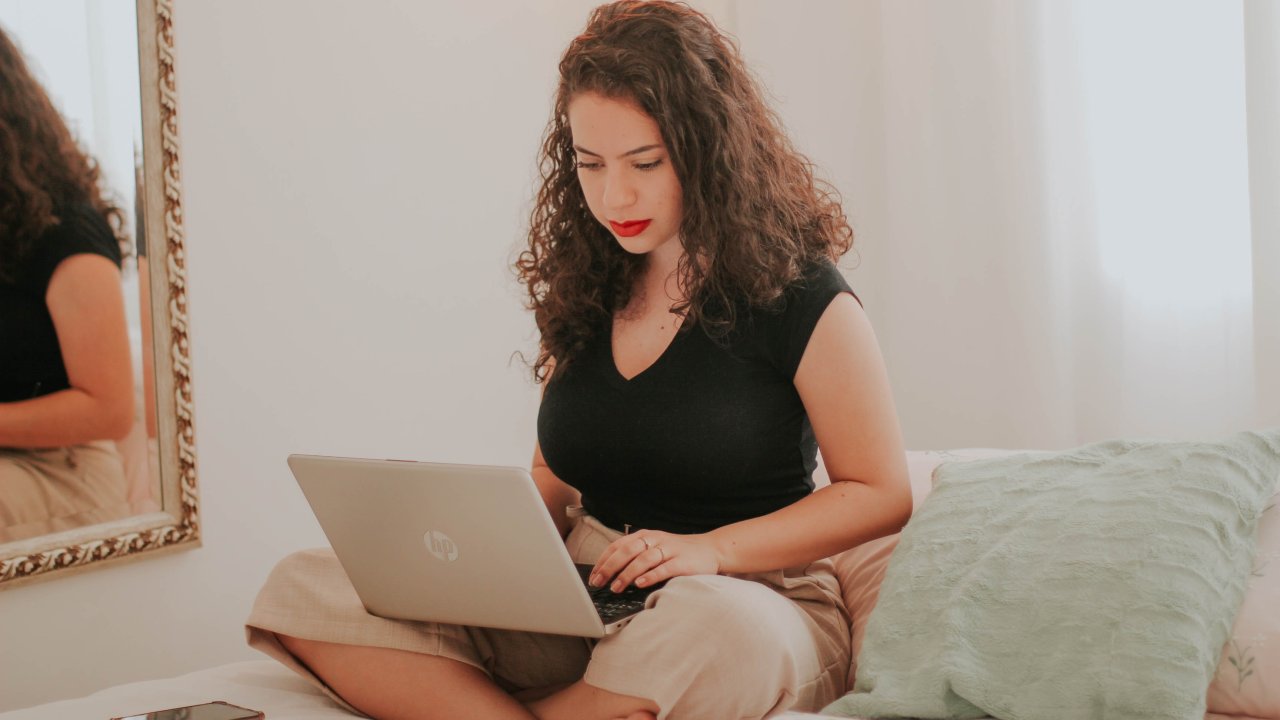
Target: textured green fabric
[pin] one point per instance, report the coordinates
(1096, 583)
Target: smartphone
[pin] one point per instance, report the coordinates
(217, 710)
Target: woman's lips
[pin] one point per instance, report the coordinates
(629, 228)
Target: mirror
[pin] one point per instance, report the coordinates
(107, 65)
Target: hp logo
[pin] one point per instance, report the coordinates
(441, 545)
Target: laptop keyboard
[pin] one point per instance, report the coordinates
(615, 606)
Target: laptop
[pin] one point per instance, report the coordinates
(461, 544)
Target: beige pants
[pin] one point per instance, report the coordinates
(707, 647)
(48, 491)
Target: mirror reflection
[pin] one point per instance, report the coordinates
(78, 436)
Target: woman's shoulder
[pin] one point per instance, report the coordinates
(822, 277)
(780, 330)
(818, 280)
(80, 229)
(814, 288)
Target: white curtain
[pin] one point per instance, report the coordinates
(1068, 213)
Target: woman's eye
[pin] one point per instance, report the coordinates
(584, 165)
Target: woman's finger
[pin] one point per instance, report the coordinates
(663, 571)
(646, 561)
(618, 555)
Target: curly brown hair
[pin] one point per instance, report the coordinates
(42, 169)
(755, 216)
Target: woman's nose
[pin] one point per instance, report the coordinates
(619, 192)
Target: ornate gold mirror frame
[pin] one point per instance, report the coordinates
(177, 525)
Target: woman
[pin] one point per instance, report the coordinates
(66, 380)
(697, 346)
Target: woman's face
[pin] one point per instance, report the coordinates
(626, 174)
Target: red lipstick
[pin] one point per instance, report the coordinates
(630, 228)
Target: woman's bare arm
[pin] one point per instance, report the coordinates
(556, 494)
(87, 306)
(845, 389)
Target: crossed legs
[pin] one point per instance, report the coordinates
(400, 685)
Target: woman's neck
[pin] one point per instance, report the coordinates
(659, 276)
(660, 280)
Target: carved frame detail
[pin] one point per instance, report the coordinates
(178, 527)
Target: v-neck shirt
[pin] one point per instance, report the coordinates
(711, 433)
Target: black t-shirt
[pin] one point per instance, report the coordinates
(30, 357)
(713, 432)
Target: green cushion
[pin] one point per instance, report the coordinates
(1096, 583)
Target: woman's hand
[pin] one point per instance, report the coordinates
(650, 556)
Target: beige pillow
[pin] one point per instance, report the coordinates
(1247, 681)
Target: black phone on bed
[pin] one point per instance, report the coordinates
(216, 710)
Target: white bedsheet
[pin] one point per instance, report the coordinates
(259, 684)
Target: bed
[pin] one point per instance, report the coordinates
(258, 684)
(1245, 686)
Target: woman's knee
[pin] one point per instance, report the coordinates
(301, 648)
(314, 574)
(725, 646)
(305, 560)
(748, 615)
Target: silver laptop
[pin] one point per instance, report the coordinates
(461, 544)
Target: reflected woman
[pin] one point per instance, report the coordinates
(66, 381)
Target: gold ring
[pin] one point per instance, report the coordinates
(661, 552)
(647, 545)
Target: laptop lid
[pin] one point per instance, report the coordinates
(462, 544)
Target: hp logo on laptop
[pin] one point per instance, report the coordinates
(441, 545)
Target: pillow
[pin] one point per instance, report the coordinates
(861, 569)
(1250, 656)
(1100, 582)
